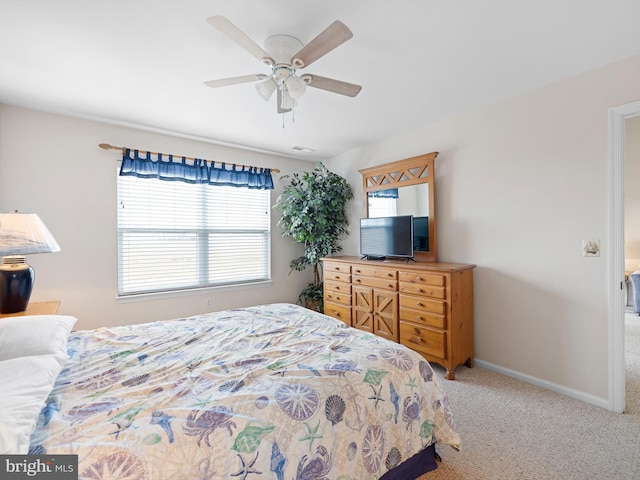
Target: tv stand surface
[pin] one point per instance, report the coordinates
(373, 257)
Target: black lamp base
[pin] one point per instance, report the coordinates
(16, 283)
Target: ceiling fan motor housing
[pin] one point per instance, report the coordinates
(282, 48)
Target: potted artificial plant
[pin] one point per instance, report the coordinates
(313, 207)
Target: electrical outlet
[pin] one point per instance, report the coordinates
(208, 303)
(590, 248)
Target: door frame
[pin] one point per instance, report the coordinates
(617, 117)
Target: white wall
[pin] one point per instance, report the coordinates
(519, 185)
(632, 194)
(51, 165)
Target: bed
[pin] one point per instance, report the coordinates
(267, 392)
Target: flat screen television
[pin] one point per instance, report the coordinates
(420, 234)
(386, 237)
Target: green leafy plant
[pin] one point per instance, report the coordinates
(313, 207)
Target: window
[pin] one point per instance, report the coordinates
(382, 207)
(179, 236)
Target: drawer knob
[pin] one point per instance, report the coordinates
(389, 275)
(416, 340)
(419, 317)
(420, 290)
(420, 304)
(337, 276)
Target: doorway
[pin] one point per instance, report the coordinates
(617, 117)
(631, 261)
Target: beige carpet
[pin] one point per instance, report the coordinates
(632, 363)
(512, 430)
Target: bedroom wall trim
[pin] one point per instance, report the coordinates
(617, 117)
(538, 382)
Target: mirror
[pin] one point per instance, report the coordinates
(405, 187)
(411, 200)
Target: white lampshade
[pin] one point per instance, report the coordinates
(295, 86)
(265, 89)
(25, 234)
(287, 102)
(20, 234)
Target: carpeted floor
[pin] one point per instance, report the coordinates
(512, 430)
(632, 363)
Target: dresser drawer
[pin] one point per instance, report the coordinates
(337, 276)
(374, 282)
(431, 342)
(336, 267)
(423, 278)
(375, 272)
(337, 287)
(422, 304)
(341, 312)
(423, 318)
(337, 297)
(422, 289)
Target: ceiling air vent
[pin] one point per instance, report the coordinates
(302, 149)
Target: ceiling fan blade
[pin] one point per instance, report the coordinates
(331, 85)
(333, 36)
(238, 36)
(225, 82)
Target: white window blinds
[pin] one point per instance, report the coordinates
(177, 236)
(382, 207)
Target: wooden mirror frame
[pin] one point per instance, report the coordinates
(403, 173)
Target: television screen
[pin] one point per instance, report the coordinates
(386, 236)
(420, 234)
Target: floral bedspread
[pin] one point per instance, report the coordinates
(269, 392)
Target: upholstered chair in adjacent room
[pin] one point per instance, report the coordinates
(635, 283)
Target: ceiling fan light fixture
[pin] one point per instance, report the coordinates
(285, 54)
(265, 89)
(295, 86)
(282, 72)
(287, 103)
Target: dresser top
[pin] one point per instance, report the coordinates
(402, 264)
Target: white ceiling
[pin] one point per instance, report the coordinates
(143, 62)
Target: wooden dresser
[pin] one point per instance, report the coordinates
(427, 306)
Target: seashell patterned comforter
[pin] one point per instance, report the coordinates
(268, 392)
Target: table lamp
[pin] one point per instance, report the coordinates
(20, 234)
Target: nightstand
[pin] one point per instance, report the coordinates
(36, 308)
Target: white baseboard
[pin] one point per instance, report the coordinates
(554, 387)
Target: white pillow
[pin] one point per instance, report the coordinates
(26, 384)
(8, 441)
(35, 335)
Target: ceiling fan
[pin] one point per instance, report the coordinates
(285, 55)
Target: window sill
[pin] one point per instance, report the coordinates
(142, 297)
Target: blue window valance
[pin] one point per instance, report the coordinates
(389, 193)
(192, 170)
